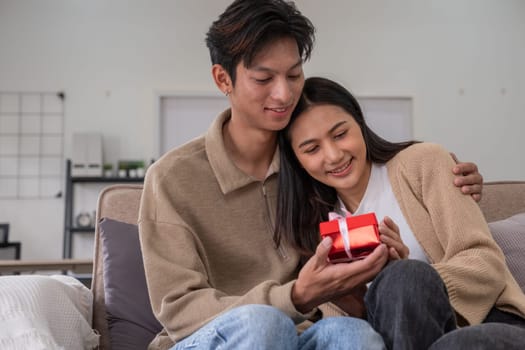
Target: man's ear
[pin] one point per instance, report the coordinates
(222, 79)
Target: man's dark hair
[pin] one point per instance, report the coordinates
(247, 26)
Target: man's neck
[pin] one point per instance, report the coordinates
(251, 150)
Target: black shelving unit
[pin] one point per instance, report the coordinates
(69, 226)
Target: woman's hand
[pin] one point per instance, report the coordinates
(389, 235)
(320, 281)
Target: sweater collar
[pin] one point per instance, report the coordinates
(228, 176)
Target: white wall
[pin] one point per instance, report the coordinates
(460, 60)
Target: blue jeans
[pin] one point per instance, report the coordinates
(264, 327)
(408, 305)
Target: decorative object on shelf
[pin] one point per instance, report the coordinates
(87, 154)
(108, 170)
(83, 219)
(141, 172)
(131, 168)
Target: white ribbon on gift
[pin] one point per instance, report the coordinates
(343, 230)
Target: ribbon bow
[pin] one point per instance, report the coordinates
(343, 230)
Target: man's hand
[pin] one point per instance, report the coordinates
(320, 281)
(468, 178)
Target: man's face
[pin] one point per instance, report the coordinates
(266, 93)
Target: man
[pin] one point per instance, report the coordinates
(215, 275)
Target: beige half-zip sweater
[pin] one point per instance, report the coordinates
(206, 233)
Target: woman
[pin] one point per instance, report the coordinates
(332, 162)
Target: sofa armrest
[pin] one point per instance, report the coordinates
(502, 199)
(119, 202)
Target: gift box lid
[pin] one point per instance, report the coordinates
(352, 222)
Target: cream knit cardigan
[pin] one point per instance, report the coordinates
(453, 233)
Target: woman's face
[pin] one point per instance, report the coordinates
(329, 144)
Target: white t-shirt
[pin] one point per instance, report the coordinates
(379, 199)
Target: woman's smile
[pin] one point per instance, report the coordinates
(342, 170)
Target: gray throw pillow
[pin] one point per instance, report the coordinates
(510, 236)
(130, 318)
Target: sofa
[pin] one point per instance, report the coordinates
(116, 313)
(503, 205)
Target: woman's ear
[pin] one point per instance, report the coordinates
(222, 79)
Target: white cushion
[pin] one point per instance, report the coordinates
(45, 312)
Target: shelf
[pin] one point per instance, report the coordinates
(97, 179)
(70, 229)
(82, 229)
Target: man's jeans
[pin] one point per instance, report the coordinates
(262, 327)
(408, 305)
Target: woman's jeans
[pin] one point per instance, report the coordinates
(409, 306)
(262, 327)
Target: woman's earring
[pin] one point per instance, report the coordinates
(226, 93)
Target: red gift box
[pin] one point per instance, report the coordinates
(353, 237)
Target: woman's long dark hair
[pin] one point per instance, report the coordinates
(302, 201)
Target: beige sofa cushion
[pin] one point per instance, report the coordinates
(510, 235)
